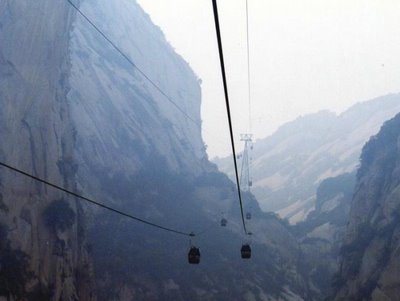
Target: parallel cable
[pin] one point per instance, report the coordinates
(133, 64)
(94, 202)
(248, 64)
(126, 57)
(221, 58)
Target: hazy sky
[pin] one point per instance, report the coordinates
(305, 56)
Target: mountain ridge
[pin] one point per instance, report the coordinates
(288, 165)
(369, 255)
(80, 116)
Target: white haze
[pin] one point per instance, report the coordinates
(306, 56)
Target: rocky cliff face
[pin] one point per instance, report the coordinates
(37, 135)
(369, 267)
(121, 118)
(76, 113)
(289, 165)
(133, 262)
(136, 151)
(321, 234)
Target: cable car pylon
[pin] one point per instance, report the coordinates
(245, 183)
(245, 176)
(246, 180)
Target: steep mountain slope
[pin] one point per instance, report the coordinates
(289, 165)
(156, 167)
(369, 267)
(132, 261)
(321, 234)
(36, 134)
(76, 113)
(124, 113)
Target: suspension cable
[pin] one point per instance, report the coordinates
(132, 63)
(93, 202)
(126, 57)
(221, 58)
(248, 64)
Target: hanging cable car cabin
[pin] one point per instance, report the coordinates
(223, 222)
(245, 251)
(194, 255)
(248, 215)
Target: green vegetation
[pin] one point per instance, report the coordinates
(59, 215)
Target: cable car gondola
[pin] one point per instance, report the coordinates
(248, 215)
(223, 222)
(245, 251)
(194, 255)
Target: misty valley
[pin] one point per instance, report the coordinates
(107, 191)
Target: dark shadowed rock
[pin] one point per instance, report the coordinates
(369, 267)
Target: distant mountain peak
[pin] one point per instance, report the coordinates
(289, 164)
